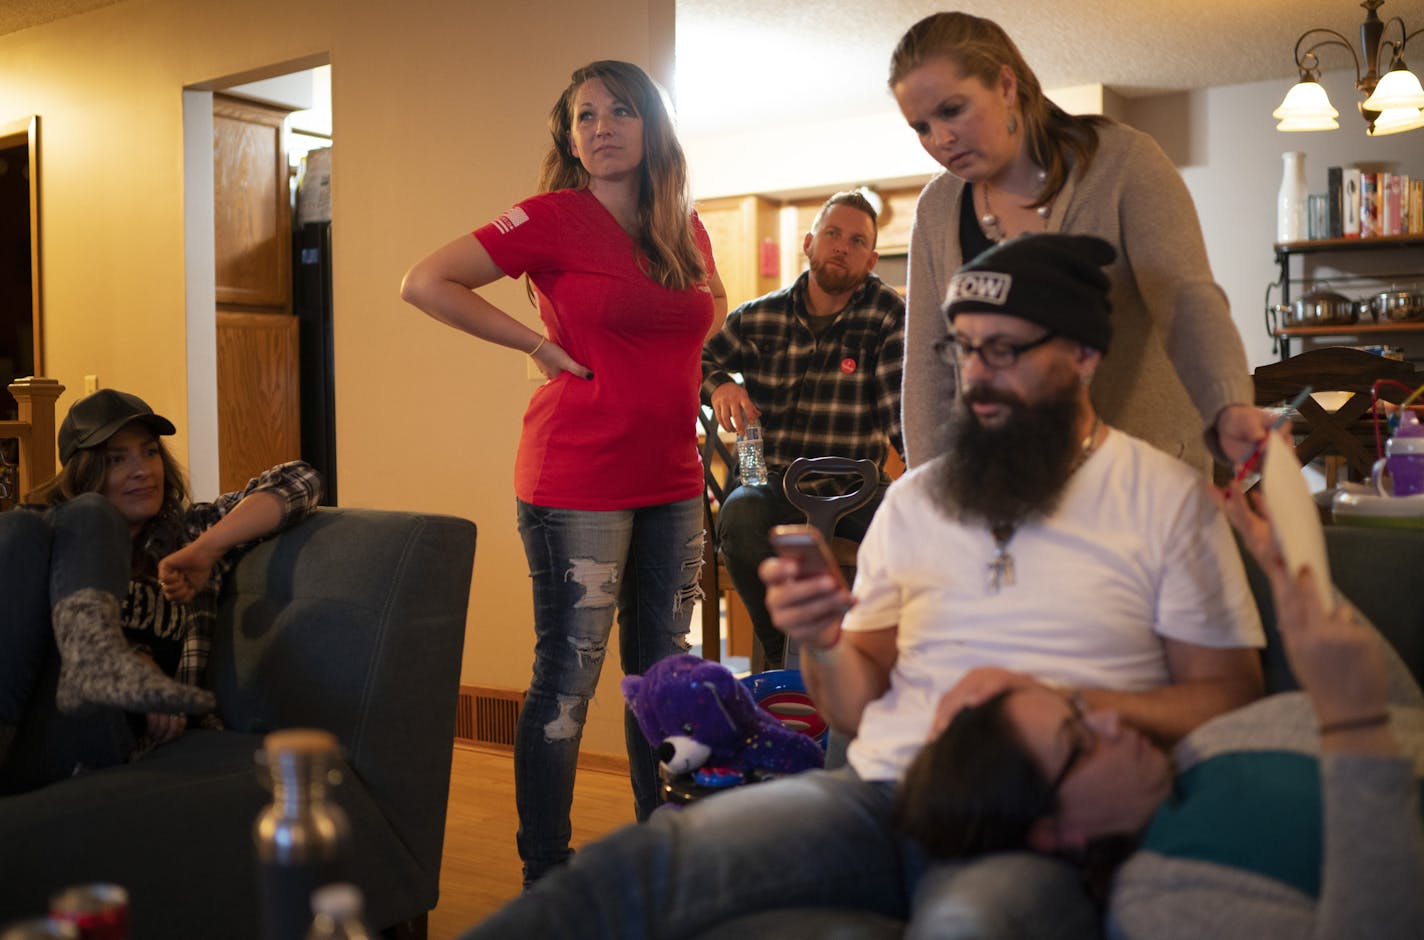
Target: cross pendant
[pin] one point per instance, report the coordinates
(1001, 571)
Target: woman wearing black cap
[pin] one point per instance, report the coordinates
(1019, 164)
(115, 564)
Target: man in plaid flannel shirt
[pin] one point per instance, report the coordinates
(820, 365)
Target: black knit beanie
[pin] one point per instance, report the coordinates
(1056, 281)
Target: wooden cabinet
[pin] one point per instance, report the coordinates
(1373, 264)
(259, 419)
(739, 227)
(251, 207)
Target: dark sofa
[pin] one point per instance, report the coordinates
(352, 621)
(1377, 569)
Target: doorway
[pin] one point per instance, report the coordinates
(19, 257)
(261, 369)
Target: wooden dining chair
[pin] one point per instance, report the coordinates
(719, 473)
(1345, 436)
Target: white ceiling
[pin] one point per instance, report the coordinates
(749, 63)
(770, 61)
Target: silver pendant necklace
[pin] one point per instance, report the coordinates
(989, 221)
(1001, 566)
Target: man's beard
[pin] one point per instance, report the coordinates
(1007, 475)
(835, 280)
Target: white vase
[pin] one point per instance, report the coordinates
(1291, 203)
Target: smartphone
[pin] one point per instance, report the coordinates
(805, 544)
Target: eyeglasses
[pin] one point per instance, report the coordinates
(1084, 741)
(995, 354)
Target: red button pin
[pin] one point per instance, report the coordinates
(847, 366)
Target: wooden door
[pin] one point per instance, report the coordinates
(259, 419)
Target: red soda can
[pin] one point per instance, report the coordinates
(40, 928)
(99, 910)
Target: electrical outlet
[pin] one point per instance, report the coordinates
(91, 384)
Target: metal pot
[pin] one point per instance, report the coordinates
(1398, 305)
(1320, 308)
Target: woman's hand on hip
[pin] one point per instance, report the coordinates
(552, 359)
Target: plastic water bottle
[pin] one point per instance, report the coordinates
(338, 914)
(751, 460)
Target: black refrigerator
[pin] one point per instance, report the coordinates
(311, 288)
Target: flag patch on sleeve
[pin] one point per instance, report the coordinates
(511, 220)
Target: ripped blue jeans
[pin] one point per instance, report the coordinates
(645, 563)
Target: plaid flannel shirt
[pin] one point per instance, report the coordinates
(833, 395)
(298, 486)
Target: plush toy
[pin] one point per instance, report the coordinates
(697, 715)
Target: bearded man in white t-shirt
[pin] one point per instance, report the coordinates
(1043, 542)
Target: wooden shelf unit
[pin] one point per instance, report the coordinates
(1285, 251)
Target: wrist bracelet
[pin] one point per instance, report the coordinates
(538, 346)
(1354, 724)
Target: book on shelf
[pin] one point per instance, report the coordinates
(1390, 204)
(1350, 202)
(1334, 193)
(1369, 205)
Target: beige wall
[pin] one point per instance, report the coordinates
(439, 110)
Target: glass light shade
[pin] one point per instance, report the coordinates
(1398, 89)
(1306, 101)
(1397, 121)
(1318, 123)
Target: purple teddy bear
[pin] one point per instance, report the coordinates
(696, 714)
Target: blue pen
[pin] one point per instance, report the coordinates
(1254, 457)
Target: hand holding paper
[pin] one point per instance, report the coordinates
(1294, 518)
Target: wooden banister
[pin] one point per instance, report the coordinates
(35, 429)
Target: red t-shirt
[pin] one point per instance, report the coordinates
(627, 437)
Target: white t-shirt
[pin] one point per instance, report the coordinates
(1135, 551)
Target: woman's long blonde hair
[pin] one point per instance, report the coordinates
(980, 48)
(664, 233)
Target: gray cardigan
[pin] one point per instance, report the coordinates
(1176, 358)
(1372, 874)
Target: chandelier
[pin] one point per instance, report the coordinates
(1393, 102)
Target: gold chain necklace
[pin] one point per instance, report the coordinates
(1001, 566)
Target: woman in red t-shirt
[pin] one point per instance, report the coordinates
(608, 479)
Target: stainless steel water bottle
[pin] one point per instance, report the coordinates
(303, 838)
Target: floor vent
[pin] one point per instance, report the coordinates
(487, 716)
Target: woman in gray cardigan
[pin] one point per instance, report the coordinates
(1296, 816)
(1018, 163)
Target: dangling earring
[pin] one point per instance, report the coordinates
(1013, 124)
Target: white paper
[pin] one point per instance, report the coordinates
(1294, 517)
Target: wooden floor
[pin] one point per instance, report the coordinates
(480, 868)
